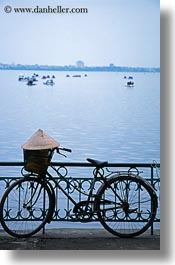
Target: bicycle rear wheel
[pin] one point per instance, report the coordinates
(126, 206)
(25, 207)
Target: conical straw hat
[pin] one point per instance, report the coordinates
(40, 141)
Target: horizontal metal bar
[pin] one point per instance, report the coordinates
(84, 164)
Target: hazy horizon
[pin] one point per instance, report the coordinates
(122, 32)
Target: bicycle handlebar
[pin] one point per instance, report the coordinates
(58, 149)
(65, 149)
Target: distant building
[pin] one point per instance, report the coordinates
(80, 64)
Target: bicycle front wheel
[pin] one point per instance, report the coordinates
(126, 206)
(25, 207)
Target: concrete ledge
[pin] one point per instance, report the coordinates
(79, 239)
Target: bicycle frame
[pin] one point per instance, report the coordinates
(98, 174)
(89, 195)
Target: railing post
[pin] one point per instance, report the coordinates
(152, 184)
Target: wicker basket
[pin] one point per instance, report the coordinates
(38, 151)
(36, 161)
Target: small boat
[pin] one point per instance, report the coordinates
(49, 82)
(30, 82)
(76, 76)
(33, 78)
(23, 78)
(36, 75)
(130, 84)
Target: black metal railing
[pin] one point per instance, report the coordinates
(10, 171)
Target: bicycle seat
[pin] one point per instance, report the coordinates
(97, 163)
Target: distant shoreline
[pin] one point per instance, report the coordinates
(82, 69)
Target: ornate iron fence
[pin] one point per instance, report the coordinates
(72, 172)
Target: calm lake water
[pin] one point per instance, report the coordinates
(96, 116)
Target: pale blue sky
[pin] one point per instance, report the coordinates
(123, 32)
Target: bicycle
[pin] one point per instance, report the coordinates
(125, 203)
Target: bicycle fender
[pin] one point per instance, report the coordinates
(51, 211)
(152, 189)
(118, 176)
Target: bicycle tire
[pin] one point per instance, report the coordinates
(25, 207)
(126, 205)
